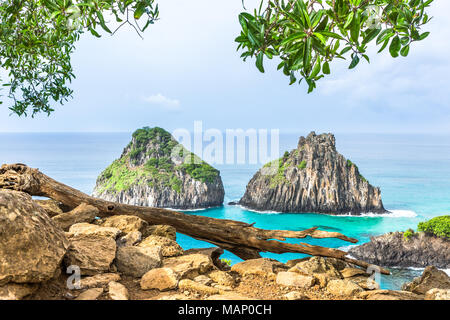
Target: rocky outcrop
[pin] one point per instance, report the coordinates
(313, 178)
(155, 170)
(32, 246)
(431, 278)
(394, 249)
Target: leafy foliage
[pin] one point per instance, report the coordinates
(408, 234)
(308, 35)
(37, 38)
(439, 226)
(302, 165)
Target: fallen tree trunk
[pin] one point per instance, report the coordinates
(240, 238)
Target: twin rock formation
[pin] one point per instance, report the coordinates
(155, 170)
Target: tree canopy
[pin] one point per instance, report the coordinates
(308, 35)
(37, 38)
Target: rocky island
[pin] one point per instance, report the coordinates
(429, 246)
(155, 170)
(313, 178)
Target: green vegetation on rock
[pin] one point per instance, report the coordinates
(439, 226)
(350, 164)
(408, 234)
(159, 170)
(302, 165)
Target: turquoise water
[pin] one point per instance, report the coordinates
(413, 172)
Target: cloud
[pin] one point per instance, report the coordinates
(163, 101)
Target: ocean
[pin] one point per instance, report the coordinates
(413, 172)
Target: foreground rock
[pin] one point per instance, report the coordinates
(15, 291)
(155, 170)
(264, 267)
(162, 279)
(136, 261)
(312, 178)
(82, 213)
(31, 245)
(432, 278)
(393, 249)
(91, 253)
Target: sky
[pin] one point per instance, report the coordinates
(187, 69)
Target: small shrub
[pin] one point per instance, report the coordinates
(226, 261)
(302, 165)
(408, 234)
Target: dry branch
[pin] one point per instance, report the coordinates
(240, 238)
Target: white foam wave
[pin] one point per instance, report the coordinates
(347, 248)
(390, 214)
(447, 271)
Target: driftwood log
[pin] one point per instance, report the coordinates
(242, 239)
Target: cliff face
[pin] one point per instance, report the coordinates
(312, 178)
(394, 250)
(155, 170)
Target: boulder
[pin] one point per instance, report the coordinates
(316, 265)
(263, 267)
(169, 248)
(365, 282)
(50, 206)
(117, 291)
(31, 245)
(99, 280)
(162, 279)
(129, 239)
(431, 278)
(136, 261)
(90, 294)
(192, 286)
(82, 213)
(15, 291)
(343, 288)
(126, 224)
(189, 266)
(93, 230)
(92, 253)
(222, 278)
(207, 281)
(160, 230)
(213, 253)
(352, 272)
(438, 294)
(293, 279)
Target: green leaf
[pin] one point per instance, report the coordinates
(424, 35)
(139, 11)
(349, 20)
(395, 46)
(326, 68)
(354, 62)
(259, 62)
(405, 50)
(295, 36)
